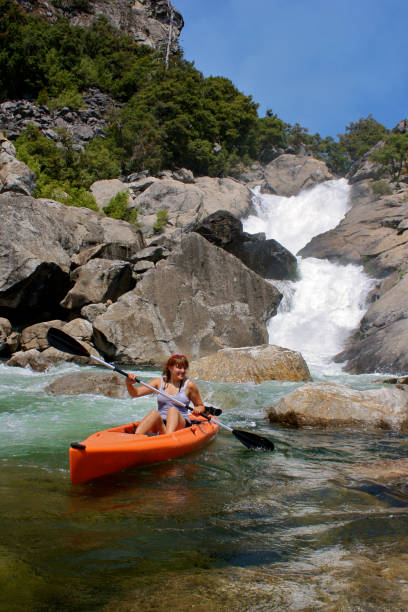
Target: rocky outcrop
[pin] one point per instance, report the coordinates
(81, 125)
(5, 331)
(288, 175)
(334, 405)
(15, 176)
(381, 342)
(37, 354)
(267, 258)
(255, 364)
(198, 300)
(38, 239)
(370, 233)
(187, 200)
(97, 281)
(186, 203)
(146, 21)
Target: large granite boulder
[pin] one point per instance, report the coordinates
(97, 281)
(265, 257)
(5, 331)
(334, 405)
(14, 175)
(288, 175)
(38, 239)
(198, 300)
(96, 383)
(187, 203)
(103, 191)
(255, 364)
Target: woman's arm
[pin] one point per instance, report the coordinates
(142, 390)
(194, 395)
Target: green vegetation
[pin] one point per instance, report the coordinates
(161, 220)
(393, 155)
(381, 188)
(63, 170)
(361, 136)
(118, 208)
(167, 119)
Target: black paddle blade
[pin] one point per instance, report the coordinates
(252, 441)
(61, 341)
(212, 410)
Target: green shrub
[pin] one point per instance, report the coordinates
(161, 220)
(118, 208)
(381, 188)
(66, 194)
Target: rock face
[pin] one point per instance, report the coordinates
(381, 343)
(14, 175)
(186, 203)
(288, 175)
(38, 239)
(255, 364)
(333, 405)
(97, 281)
(197, 301)
(373, 234)
(146, 21)
(267, 258)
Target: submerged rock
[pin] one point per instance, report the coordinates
(333, 405)
(251, 364)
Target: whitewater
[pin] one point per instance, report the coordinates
(326, 303)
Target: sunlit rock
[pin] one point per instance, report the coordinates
(198, 300)
(251, 364)
(331, 405)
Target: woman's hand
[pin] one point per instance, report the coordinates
(199, 409)
(131, 378)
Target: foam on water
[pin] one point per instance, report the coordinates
(326, 304)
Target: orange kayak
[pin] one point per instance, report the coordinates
(119, 448)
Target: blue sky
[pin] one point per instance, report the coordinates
(320, 63)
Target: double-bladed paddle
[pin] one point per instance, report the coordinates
(63, 342)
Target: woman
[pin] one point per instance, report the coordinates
(169, 416)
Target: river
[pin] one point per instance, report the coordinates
(225, 528)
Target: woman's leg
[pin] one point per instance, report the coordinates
(174, 420)
(151, 422)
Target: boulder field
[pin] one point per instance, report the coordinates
(198, 284)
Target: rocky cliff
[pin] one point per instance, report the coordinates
(146, 21)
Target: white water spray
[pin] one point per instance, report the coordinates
(319, 310)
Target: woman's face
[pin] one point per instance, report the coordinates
(177, 372)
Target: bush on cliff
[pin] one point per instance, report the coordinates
(393, 155)
(60, 169)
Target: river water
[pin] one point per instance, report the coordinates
(225, 528)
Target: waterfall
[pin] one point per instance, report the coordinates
(326, 304)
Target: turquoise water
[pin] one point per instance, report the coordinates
(302, 528)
